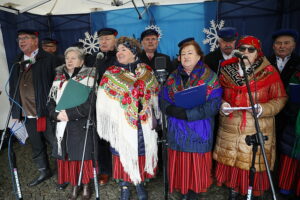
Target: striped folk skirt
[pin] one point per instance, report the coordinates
(68, 171)
(120, 174)
(289, 174)
(238, 179)
(189, 171)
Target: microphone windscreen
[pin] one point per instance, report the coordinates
(100, 56)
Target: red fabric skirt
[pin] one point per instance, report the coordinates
(189, 171)
(68, 171)
(289, 174)
(120, 174)
(238, 179)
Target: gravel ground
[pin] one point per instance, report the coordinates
(47, 190)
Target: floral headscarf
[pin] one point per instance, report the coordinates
(251, 40)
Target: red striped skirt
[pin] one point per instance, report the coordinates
(189, 171)
(238, 179)
(120, 174)
(289, 174)
(68, 171)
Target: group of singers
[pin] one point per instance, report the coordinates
(118, 91)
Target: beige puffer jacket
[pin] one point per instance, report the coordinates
(231, 148)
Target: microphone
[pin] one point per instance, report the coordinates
(160, 65)
(99, 56)
(238, 54)
(29, 61)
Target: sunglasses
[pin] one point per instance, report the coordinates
(250, 49)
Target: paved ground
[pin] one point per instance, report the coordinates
(47, 190)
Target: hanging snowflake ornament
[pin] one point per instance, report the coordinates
(155, 27)
(90, 43)
(212, 34)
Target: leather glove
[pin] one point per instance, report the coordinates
(175, 111)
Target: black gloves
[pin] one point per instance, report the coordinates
(175, 111)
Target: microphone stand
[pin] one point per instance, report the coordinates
(11, 153)
(161, 77)
(255, 140)
(89, 123)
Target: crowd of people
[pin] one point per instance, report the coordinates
(104, 112)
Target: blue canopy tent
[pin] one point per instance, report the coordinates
(176, 22)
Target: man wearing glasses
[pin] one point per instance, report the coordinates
(31, 92)
(227, 39)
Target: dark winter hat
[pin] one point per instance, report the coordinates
(107, 31)
(289, 32)
(49, 41)
(185, 40)
(28, 31)
(228, 34)
(149, 32)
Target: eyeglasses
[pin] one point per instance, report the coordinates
(23, 38)
(250, 49)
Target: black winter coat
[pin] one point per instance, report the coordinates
(42, 75)
(214, 59)
(74, 136)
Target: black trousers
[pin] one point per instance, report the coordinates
(104, 157)
(38, 143)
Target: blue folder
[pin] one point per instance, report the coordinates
(191, 97)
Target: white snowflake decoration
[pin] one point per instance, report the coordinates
(155, 27)
(90, 43)
(212, 34)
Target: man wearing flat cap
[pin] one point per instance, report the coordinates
(30, 86)
(227, 39)
(107, 41)
(284, 57)
(149, 41)
(50, 45)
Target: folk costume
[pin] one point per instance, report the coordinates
(231, 152)
(190, 138)
(289, 169)
(70, 135)
(126, 103)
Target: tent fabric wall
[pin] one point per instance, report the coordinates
(260, 18)
(252, 17)
(175, 21)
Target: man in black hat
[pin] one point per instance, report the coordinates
(107, 41)
(149, 41)
(50, 45)
(227, 39)
(284, 57)
(31, 92)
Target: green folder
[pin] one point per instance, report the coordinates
(74, 94)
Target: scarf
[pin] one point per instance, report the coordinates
(180, 80)
(125, 95)
(235, 90)
(83, 75)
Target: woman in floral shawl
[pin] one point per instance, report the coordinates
(190, 130)
(231, 152)
(126, 104)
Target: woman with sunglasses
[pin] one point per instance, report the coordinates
(231, 152)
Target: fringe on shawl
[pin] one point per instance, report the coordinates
(113, 127)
